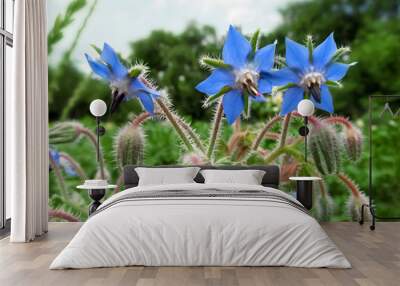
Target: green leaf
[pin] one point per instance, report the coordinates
(96, 48)
(214, 62)
(340, 53)
(333, 83)
(61, 23)
(214, 97)
(254, 40)
(284, 87)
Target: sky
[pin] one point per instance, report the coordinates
(120, 22)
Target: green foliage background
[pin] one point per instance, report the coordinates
(371, 28)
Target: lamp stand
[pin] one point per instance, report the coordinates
(98, 139)
(303, 131)
(100, 131)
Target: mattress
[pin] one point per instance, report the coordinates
(201, 225)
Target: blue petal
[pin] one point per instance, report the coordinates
(291, 99)
(138, 85)
(233, 105)
(264, 85)
(236, 49)
(281, 77)
(109, 56)
(297, 56)
(55, 156)
(264, 58)
(147, 101)
(336, 71)
(324, 52)
(217, 80)
(259, 98)
(326, 100)
(69, 170)
(98, 68)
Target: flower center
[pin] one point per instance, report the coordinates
(247, 79)
(120, 89)
(121, 86)
(312, 78)
(312, 82)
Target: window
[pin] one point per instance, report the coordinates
(6, 44)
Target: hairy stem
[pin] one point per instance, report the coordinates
(142, 117)
(215, 130)
(192, 134)
(282, 139)
(59, 177)
(75, 165)
(349, 184)
(237, 125)
(274, 155)
(287, 149)
(272, 136)
(63, 215)
(172, 119)
(92, 138)
(338, 120)
(264, 131)
(285, 128)
(280, 149)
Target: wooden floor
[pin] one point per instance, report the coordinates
(375, 257)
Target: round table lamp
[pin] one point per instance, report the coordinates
(98, 108)
(306, 108)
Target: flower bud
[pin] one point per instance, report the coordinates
(352, 141)
(129, 145)
(325, 149)
(64, 132)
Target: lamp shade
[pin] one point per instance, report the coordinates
(305, 107)
(98, 108)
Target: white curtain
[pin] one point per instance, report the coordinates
(27, 124)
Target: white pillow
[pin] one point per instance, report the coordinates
(166, 176)
(248, 177)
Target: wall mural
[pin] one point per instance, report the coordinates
(250, 96)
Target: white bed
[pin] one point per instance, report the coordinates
(269, 229)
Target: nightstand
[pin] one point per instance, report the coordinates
(304, 186)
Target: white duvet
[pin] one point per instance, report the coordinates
(200, 231)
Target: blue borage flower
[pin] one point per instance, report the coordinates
(309, 72)
(125, 84)
(62, 163)
(240, 78)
